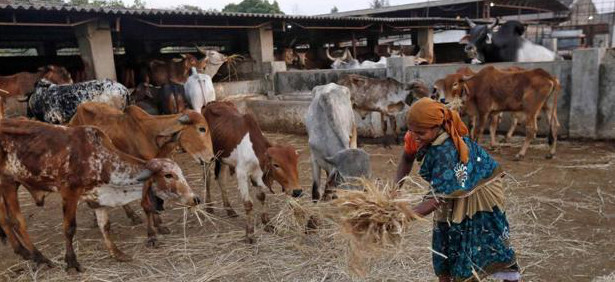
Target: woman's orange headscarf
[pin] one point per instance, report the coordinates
(427, 113)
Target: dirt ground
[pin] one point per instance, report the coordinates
(562, 215)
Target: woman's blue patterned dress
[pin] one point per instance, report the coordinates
(480, 242)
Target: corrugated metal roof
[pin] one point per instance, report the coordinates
(553, 5)
(178, 12)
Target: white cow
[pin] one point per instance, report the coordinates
(199, 90)
(332, 137)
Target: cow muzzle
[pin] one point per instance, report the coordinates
(471, 51)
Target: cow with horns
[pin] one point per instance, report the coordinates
(482, 45)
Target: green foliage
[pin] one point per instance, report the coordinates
(254, 6)
(138, 4)
(334, 10)
(190, 8)
(376, 4)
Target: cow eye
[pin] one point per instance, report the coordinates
(202, 129)
(276, 166)
(168, 175)
(455, 85)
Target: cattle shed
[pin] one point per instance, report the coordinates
(102, 40)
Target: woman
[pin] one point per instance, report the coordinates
(471, 233)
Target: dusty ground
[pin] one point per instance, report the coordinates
(562, 214)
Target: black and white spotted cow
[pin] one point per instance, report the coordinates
(57, 104)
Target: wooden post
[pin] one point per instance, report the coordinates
(354, 46)
(425, 43)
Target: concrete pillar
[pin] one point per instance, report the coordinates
(261, 46)
(96, 49)
(425, 43)
(585, 92)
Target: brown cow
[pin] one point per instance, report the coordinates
(386, 96)
(22, 83)
(239, 143)
(492, 91)
(76, 161)
(146, 137)
(447, 85)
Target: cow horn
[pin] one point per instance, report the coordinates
(177, 60)
(201, 50)
(184, 119)
(329, 55)
(144, 175)
(470, 22)
(346, 53)
(495, 23)
(389, 50)
(467, 77)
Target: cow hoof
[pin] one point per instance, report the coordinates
(518, 157)
(549, 156)
(250, 239)
(269, 228)
(152, 242)
(136, 220)
(41, 260)
(121, 257)
(163, 230)
(231, 213)
(73, 268)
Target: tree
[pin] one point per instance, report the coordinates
(190, 8)
(101, 3)
(138, 4)
(377, 4)
(254, 6)
(334, 10)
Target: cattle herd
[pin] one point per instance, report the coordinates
(109, 147)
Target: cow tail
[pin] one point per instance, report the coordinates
(554, 124)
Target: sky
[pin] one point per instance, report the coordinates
(295, 7)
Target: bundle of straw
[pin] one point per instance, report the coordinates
(373, 216)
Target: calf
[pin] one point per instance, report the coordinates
(385, 96)
(150, 136)
(22, 83)
(332, 134)
(492, 91)
(58, 103)
(78, 162)
(239, 143)
(199, 90)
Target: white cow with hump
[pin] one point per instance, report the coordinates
(199, 90)
(332, 137)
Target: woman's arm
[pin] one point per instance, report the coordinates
(423, 209)
(404, 168)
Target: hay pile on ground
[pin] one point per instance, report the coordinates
(215, 251)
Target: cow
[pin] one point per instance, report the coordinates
(58, 103)
(79, 163)
(150, 136)
(482, 45)
(346, 61)
(491, 91)
(22, 83)
(386, 96)
(199, 90)
(447, 85)
(213, 60)
(238, 142)
(159, 100)
(332, 137)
